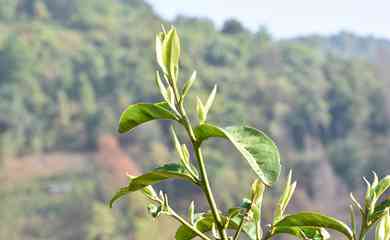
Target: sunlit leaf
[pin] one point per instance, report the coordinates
(312, 219)
(140, 113)
(257, 148)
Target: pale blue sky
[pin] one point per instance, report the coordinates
(286, 18)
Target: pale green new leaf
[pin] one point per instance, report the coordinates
(168, 171)
(210, 100)
(257, 148)
(312, 219)
(177, 143)
(188, 85)
(161, 87)
(284, 198)
(159, 53)
(171, 51)
(140, 113)
(201, 111)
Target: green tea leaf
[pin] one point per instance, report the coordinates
(122, 192)
(257, 148)
(168, 171)
(140, 113)
(312, 219)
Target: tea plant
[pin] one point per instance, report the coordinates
(256, 148)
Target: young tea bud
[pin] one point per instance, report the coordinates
(201, 111)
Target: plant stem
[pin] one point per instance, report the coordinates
(208, 192)
(240, 227)
(364, 226)
(203, 172)
(187, 224)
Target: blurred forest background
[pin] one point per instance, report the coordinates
(68, 68)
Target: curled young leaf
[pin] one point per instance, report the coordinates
(256, 147)
(168, 171)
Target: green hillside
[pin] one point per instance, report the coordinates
(68, 68)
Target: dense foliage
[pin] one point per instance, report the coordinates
(68, 68)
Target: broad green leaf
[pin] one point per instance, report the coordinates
(257, 148)
(312, 219)
(168, 171)
(380, 210)
(304, 233)
(140, 113)
(204, 223)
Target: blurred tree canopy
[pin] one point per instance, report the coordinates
(69, 67)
